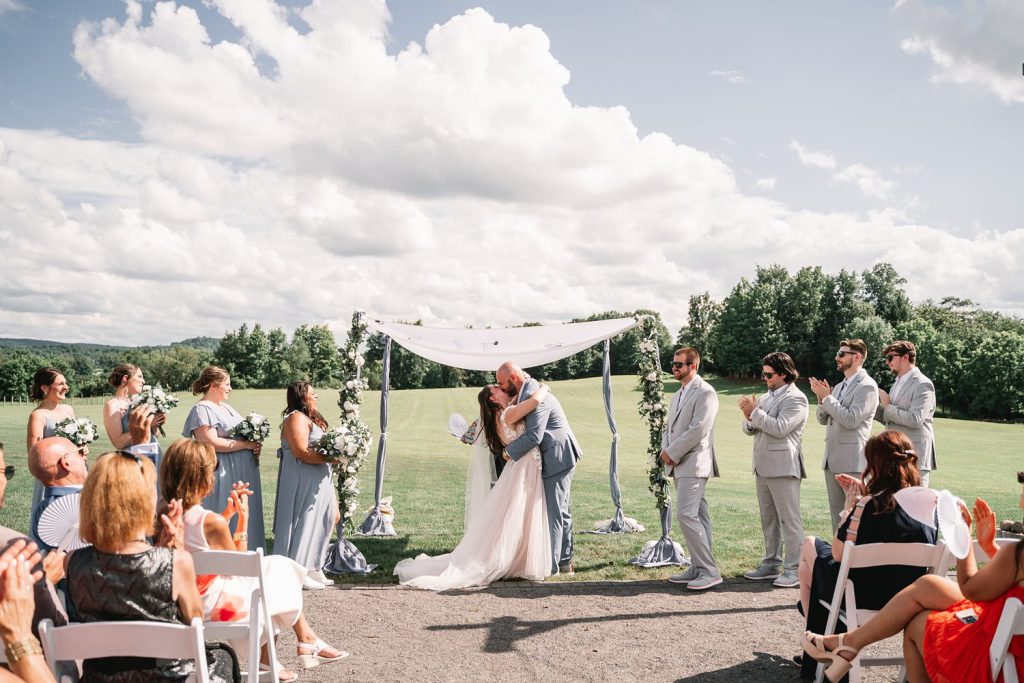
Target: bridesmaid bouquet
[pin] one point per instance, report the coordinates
(80, 431)
(254, 427)
(155, 396)
(343, 443)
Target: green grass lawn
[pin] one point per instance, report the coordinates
(426, 467)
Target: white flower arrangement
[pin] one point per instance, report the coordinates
(348, 444)
(652, 406)
(155, 396)
(80, 431)
(253, 427)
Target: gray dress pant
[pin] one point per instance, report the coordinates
(694, 519)
(779, 501)
(556, 498)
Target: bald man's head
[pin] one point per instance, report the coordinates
(55, 461)
(510, 377)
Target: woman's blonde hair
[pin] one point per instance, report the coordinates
(186, 471)
(118, 501)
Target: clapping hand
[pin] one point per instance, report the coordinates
(17, 601)
(238, 502)
(985, 526)
(747, 405)
(852, 486)
(140, 424)
(883, 398)
(820, 388)
(172, 526)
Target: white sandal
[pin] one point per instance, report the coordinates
(316, 659)
(278, 668)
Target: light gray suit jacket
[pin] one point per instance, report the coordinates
(546, 428)
(689, 435)
(911, 413)
(848, 423)
(777, 425)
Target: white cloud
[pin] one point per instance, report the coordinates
(10, 6)
(730, 76)
(978, 44)
(765, 183)
(812, 159)
(453, 182)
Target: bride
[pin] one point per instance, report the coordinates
(509, 535)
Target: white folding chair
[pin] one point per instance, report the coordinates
(1011, 623)
(250, 564)
(981, 556)
(125, 639)
(934, 558)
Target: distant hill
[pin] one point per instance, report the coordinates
(202, 343)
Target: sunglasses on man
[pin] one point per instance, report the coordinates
(890, 356)
(677, 364)
(840, 353)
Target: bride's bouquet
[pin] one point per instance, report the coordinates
(80, 431)
(254, 427)
(155, 396)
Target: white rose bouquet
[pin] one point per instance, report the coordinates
(155, 396)
(80, 431)
(253, 427)
(345, 444)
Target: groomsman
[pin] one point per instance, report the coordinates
(909, 405)
(847, 412)
(688, 451)
(776, 421)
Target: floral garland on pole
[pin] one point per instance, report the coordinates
(353, 434)
(652, 406)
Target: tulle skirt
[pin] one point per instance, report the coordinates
(509, 538)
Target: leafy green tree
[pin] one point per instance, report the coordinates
(324, 366)
(800, 315)
(277, 372)
(703, 314)
(16, 370)
(839, 306)
(175, 368)
(883, 289)
(994, 381)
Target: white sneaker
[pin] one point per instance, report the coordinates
(311, 584)
(318, 576)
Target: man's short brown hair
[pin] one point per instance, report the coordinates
(692, 354)
(902, 347)
(857, 345)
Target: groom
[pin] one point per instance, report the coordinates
(547, 428)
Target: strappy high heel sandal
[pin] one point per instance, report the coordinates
(838, 666)
(308, 661)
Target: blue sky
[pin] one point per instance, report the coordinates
(631, 154)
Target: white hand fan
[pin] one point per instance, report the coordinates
(952, 526)
(58, 524)
(457, 425)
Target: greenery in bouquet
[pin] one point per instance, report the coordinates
(253, 427)
(348, 444)
(80, 431)
(653, 408)
(154, 395)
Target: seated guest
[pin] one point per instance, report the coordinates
(61, 467)
(187, 473)
(947, 628)
(45, 574)
(872, 515)
(121, 577)
(23, 652)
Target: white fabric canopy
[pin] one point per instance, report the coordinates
(487, 349)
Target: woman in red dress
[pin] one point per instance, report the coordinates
(947, 628)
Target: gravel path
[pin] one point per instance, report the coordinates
(559, 631)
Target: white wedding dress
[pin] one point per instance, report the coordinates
(509, 539)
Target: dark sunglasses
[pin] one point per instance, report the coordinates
(768, 375)
(676, 364)
(840, 354)
(132, 456)
(890, 356)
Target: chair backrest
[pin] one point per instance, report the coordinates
(125, 639)
(1011, 623)
(981, 556)
(248, 564)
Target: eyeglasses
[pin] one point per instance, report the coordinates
(890, 356)
(841, 353)
(676, 364)
(132, 456)
(768, 375)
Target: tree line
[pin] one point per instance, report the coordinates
(974, 356)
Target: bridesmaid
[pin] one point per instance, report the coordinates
(306, 509)
(50, 388)
(127, 380)
(211, 421)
